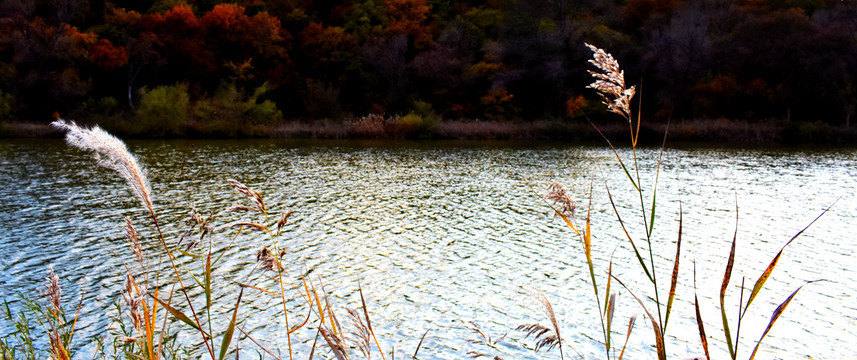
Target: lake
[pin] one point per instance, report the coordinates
(441, 235)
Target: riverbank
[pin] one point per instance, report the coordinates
(720, 131)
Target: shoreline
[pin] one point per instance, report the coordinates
(718, 131)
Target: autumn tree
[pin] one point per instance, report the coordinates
(409, 17)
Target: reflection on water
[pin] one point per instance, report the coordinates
(439, 235)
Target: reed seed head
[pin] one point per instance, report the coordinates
(359, 333)
(283, 219)
(559, 196)
(133, 239)
(255, 197)
(133, 302)
(610, 83)
(111, 153)
(268, 261)
(52, 290)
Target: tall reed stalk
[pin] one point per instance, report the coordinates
(617, 97)
(145, 337)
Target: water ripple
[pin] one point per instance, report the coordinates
(441, 236)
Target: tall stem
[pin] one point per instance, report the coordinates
(181, 283)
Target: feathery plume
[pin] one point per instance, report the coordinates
(560, 196)
(255, 196)
(133, 302)
(611, 83)
(283, 219)
(111, 153)
(52, 290)
(268, 260)
(360, 333)
(133, 239)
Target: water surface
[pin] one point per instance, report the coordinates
(442, 234)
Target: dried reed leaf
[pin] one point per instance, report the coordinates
(306, 320)
(674, 279)
(699, 323)
(659, 337)
(611, 307)
(628, 235)
(207, 280)
(419, 344)
(767, 273)
(776, 315)
(628, 336)
(177, 314)
(726, 276)
(368, 322)
(230, 330)
(257, 343)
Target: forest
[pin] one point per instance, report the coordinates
(185, 67)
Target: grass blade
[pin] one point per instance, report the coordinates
(702, 337)
(207, 281)
(767, 273)
(657, 174)
(420, 344)
(567, 221)
(776, 315)
(227, 336)
(628, 235)
(726, 276)
(258, 344)
(587, 244)
(368, 322)
(628, 336)
(674, 280)
(659, 336)
(611, 306)
(609, 280)
(178, 314)
(627, 173)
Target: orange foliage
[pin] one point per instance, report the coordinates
(574, 105)
(326, 43)
(122, 17)
(76, 44)
(226, 16)
(108, 56)
(408, 17)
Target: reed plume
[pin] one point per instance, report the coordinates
(559, 196)
(611, 83)
(550, 337)
(133, 239)
(111, 153)
(359, 333)
(52, 290)
(255, 196)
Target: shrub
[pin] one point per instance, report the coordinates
(231, 113)
(163, 110)
(7, 105)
